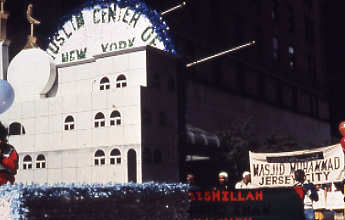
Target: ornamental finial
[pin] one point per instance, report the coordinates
(3, 21)
(31, 19)
(31, 39)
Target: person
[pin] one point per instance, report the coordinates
(245, 183)
(223, 181)
(319, 212)
(8, 159)
(191, 182)
(309, 193)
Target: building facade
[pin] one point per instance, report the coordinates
(280, 81)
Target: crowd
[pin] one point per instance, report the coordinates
(310, 191)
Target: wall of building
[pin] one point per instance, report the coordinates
(69, 147)
(284, 92)
(161, 133)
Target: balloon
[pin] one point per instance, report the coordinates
(342, 143)
(342, 128)
(6, 95)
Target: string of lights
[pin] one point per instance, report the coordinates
(220, 54)
(173, 8)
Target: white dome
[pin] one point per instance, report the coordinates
(31, 73)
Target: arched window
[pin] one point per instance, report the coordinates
(104, 84)
(115, 156)
(162, 119)
(156, 81)
(146, 155)
(99, 158)
(99, 120)
(16, 128)
(40, 161)
(69, 123)
(115, 118)
(146, 117)
(171, 85)
(132, 166)
(27, 162)
(157, 156)
(121, 81)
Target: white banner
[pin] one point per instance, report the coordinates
(321, 165)
(321, 204)
(335, 200)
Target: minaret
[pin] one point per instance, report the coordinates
(4, 43)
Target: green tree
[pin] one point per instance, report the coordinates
(235, 145)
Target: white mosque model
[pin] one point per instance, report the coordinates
(88, 109)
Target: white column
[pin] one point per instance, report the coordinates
(4, 60)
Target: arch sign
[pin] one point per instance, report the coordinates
(108, 26)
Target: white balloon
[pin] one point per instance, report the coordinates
(6, 95)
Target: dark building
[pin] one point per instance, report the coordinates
(334, 33)
(280, 82)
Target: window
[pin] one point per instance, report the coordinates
(115, 156)
(261, 85)
(27, 162)
(217, 68)
(157, 156)
(69, 123)
(241, 77)
(156, 81)
(115, 118)
(238, 27)
(162, 119)
(292, 59)
(309, 31)
(275, 43)
(308, 3)
(146, 117)
(16, 128)
(121, 81)
(215, 18)
(99, 120)
(104, 84)
(257, 5)
(146, 155)
(295, 98)
(279, 92)
(40, 162)
(258, 39)
(314, 105)
(311, 66)
(99, 158)
(274, 10)
(171, 85)
(290, 19)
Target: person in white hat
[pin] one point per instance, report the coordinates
(245, 183)
(223, 181)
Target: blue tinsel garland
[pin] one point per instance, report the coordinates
(19, 194)
(155, 18)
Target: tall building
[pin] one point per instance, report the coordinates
(334, 26)
(279, 82)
